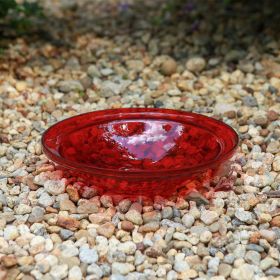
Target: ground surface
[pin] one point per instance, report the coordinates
(106, 54)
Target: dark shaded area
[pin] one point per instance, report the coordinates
(240, 23)
(235, 24)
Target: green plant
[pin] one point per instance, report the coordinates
(18, 16)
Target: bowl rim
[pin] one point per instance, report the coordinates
(73, 165)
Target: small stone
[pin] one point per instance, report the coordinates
(264, 218)
(66, 234)
(273, 271)
(168, 67)
(124, 205)
(43, 266)
(135, 65)
(2, 223)
(73, 193)
(88, 192)
(181, 266)
(261, 120)
(198, 198)
(269, 235)
(189, 274)
(106, 230)
(243, 272)
(71, 85)
(37, 215)
(106, 201)
(99, 218)
(149, 227)
(9, 261)
(93, 71)
(88, 256)
(37, 245)
(55, 187)
(267, 263)
(45, 200)
(87, 207)
(153, 216)
(275, 222)
(67, 205)
(188, 220)
(167, 212)
(253, 257)
(23, 209)
(95, 270)
(224, 269)
(244, 216)
(255, 247)
(255, 237)
(127, 226)
(172, 275)
(128, 247)
(59, 271)
(134, 216)
(122, 268)
(208, 217)
(11, 232)
(205, 236)
(250, 101)
(273, 147)
(276, 164)
(68, 223)
(75, 273)
(272, 115)
(136, 206)
(196, 64)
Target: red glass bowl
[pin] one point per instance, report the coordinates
(141, 151)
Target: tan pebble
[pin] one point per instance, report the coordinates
(190, 273)
(3, 273)
(168, 67)
(99, 218)
(272, 115)
(67, 205)
(243, 129)
(255, 237)
(127, 226)
(81, 233)
(73, 193)
(21, 86)
(50, 209)
(54, 229)
(87, 207)
(149, 227)
(264, 218)
(68, 223)
(12, 273)
(269, 235)
(106, 230)
(230, 114)
(275, 222)
(9, 260)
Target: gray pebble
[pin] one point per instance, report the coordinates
(250, 101)
(87, 255)
(37, 214)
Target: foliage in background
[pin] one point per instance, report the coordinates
(18, 16)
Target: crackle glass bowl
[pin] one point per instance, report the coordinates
(141, 152)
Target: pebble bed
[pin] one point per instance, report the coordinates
(106, 54)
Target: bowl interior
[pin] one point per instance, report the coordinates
(140, 144)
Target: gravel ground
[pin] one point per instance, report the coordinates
(111, 55)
